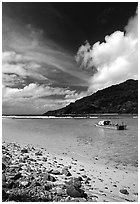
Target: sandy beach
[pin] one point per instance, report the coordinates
(31, 174)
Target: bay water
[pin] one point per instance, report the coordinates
(78, 137)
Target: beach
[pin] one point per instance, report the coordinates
(33, 171)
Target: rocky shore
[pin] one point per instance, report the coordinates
(32, 174)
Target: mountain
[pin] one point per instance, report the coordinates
(121, 98)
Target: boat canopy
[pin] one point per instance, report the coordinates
(104, 122)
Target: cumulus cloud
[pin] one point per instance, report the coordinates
(114, 60)
(37, 97)
(34, 90)
(132, 27)
(84, 58)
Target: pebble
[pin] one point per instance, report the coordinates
(124, 191)
(48, 187)
(14, 166)
(24, 150)
(66, 171)
(24, 183)
(4, 195)
(3, 166)
(3, 178)
(56, 172)
(17, 176)
(47, 176)
(78, 200)
(81, 169)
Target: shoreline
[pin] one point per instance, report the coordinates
(97, 183)
(70, 116)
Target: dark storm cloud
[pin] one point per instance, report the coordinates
(44, 16)
(69, 24)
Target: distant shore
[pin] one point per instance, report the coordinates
(31, 173)
(92, 116)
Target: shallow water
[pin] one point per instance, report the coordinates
(77, 137)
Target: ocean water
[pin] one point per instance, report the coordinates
(78, 137)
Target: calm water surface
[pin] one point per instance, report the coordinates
(78, 137)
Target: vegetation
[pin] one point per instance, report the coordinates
(121, 98)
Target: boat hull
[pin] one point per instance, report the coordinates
(115, 127)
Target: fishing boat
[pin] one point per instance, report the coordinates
(108, 124)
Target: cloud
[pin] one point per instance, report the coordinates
(12, 80)
(29, 81)
(84, 58)
(36, 98)
(132, 26)
(75, 96)
(114, 60)
(35, 91)
(17, 66)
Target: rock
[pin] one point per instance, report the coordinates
(17, 176)
(4, 195)
(3, 178)
(37, 184)
(25, 157)
(75, 192)
(59, 191)
(75, 182)
(95, 196)
(80, 178)
(48, 187)
(48, 177)
(87, 180)
(38, 153)
(51, 178)
(24, 150)
(3, 147)
(6, 158)
(49, 170)
(84, 176)
(93, 200)
(4, 184)
(24, 167)
(66, 171)
(81, 169)
(56, 172)
(3, 166)
(124, 191)
(10, 185)
(136, 194)
(78, 200)
(24, 183)
(14, 166)
(68, 199)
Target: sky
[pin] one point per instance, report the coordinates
(56, 53)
